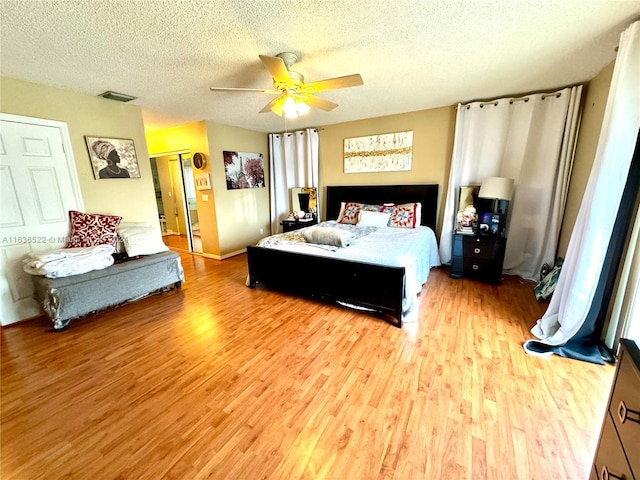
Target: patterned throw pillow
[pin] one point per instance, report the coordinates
(88, 230)
(350, 211)
(405, 215)
(387, 208)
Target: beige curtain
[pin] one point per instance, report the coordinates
(294, 163)
(530, 139)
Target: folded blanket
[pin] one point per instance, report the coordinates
(65, 262)
(328, 236)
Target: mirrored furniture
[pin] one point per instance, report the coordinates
(305, 199)
(466, 216)
(477, 252)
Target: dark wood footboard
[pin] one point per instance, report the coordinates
(375, 287)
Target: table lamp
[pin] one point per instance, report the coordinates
(499, 190)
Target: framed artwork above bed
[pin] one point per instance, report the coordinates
(390, 152)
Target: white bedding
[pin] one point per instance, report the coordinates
(65, 262)
(415, 249)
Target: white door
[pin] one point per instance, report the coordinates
(38, 186)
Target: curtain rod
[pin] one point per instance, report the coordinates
(512, 100)
(298, 131)
(495, 102)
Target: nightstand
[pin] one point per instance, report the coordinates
(478, 257)
(290, 224)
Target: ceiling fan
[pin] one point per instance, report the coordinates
(294, 96)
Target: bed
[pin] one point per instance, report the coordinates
(382, 285)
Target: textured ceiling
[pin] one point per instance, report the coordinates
(412, 55)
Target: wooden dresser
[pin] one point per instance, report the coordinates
(618, 453)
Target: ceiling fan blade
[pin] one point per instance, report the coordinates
(334, 83)
(274, 105)
(277, 68)
(237, 89)
(320, 103)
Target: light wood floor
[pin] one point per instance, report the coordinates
(181, 242)
(220, 381)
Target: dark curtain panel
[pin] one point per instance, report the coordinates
(586, 344)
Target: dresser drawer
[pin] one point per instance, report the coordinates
(477, 266)
(478, 257)
(625, 408)
(610, 458)
(478, 249)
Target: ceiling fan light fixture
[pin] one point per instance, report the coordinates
(302, 108)
(294, 107)
(295, 97)
(289, 108)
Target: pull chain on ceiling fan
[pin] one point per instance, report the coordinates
(295, 97)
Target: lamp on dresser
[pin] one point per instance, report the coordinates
(481, 256)
(499, 191)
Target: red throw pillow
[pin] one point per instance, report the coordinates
(405, 216)
(350, 211)
(88, 230)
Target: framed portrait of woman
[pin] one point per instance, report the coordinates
(112, 157)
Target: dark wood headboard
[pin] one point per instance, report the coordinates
(427, 195)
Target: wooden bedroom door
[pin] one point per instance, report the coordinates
(38, 186)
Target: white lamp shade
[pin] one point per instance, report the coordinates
(289, 108)
(497, 187)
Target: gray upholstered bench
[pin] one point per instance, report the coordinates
(66, 298)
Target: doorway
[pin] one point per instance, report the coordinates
(192, 219)
(39, 186)
(176, 198)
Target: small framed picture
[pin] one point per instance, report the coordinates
(202, 181)
(112, 157)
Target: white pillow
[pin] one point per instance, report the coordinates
(373, 219)
(341, 214)
(141, 238)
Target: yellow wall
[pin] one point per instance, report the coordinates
(243, 214)
(232, 219)
(433, 133)
(229, 219)
(133, 198)
(192, 137)
(173, 203)
(595, 101)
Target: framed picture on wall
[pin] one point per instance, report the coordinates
(390, 152)
(202, 181)
(112, 157)
(243, 170)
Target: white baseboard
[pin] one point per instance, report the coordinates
(222, 257)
